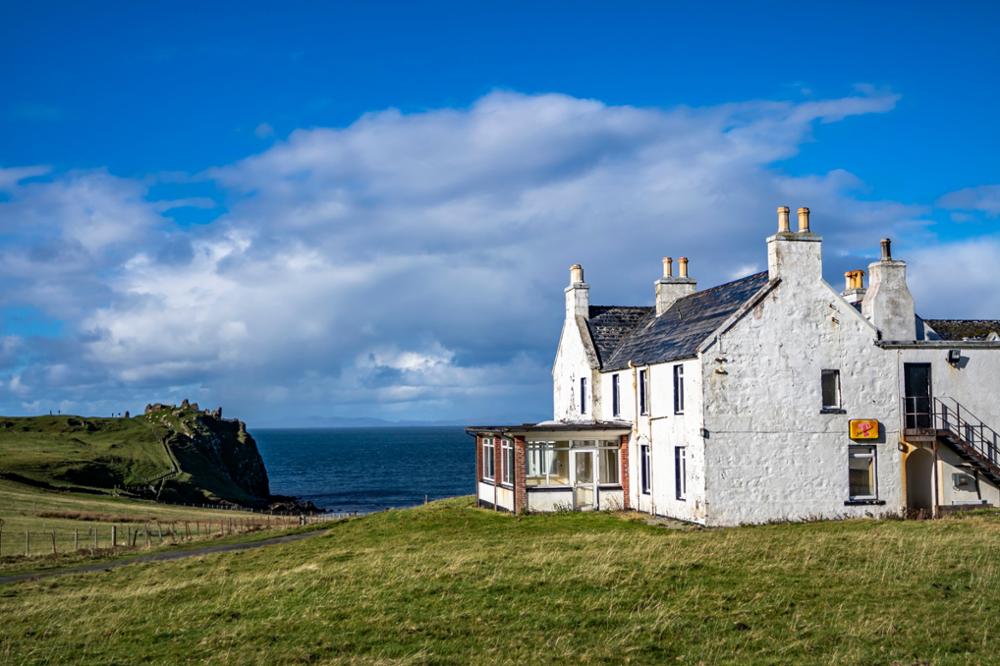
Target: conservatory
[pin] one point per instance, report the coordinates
(552, 466)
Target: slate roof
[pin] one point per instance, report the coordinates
(638, 335)
(964, 329)
(610, 324)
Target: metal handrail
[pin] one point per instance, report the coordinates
(949, 415)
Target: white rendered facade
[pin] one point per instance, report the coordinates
(758, 439)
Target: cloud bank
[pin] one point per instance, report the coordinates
(412, 265)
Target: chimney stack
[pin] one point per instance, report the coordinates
(783, 220)
(794, 256)
(670, 288)
(577, 294)
(803, 220)
(888, 304)
(854, 286)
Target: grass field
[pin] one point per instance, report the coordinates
(71, 515)
(450, 583)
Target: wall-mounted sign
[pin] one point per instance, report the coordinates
(864, 429)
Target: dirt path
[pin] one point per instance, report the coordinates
(158, 557)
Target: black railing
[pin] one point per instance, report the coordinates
(947, 414)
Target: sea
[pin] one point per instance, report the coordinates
(368, 469)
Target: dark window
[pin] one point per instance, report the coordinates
(680, 471)
(645, 472)
(583, 395)
(917, 387)
(831, 389)
(616, 396)
(643, 398)
(678, 389)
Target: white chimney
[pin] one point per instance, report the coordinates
(577, 294)
(794, 256)
(670, 288)
(854, 286)
(888, 304)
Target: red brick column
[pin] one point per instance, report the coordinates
(520, 469)
(623, 459)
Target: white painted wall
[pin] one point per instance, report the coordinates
(504, 497)
(771, 454)
(575, 359)
(549, 500)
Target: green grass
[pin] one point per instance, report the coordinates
(78, 452)
(170, 454)
(23, 507)
(450, 583)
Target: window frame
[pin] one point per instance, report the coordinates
(644, 392)
(679, 388)
(838, 393)
(616, 395)
(541, 454)
(645, 469)
(680, 473)
(506, 462)
(489, 460)
(583, 395)
(870, 452)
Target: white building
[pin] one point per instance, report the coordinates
(773, 397)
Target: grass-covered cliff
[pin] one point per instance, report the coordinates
(172, 454)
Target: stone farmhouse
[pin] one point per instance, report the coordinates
(773, 397)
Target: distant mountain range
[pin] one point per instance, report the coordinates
(370, 422)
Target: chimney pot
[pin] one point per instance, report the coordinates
(575, 274)
(668, 267)
(683, 261)
(803, 220)
(848, 280)
(783, 218)
(886, 249)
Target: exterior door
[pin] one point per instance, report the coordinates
(917, 387)
(584, 481)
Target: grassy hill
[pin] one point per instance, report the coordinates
(177, 454)
(450, 583)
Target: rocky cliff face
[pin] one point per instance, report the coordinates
(215, 458)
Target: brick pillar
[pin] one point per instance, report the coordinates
(520, 469)
(623, 460)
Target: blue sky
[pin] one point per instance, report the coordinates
(301, 211)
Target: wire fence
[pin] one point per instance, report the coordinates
(37, 541)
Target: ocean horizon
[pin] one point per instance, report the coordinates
(368, 468)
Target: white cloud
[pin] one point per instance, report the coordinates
(985, 198)
(416, 261)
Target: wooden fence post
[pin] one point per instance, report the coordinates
(27, 543)
(53, 542)
(94, 530)
(145, 528)
(114, 536)
(76, 539)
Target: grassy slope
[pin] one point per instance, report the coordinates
(101, 454)
(451, 583)
(25, 507)
(71, 451)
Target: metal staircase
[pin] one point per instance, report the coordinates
(977, 443)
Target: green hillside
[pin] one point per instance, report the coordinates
(452, 584)
(89, 453)
(173, 454)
